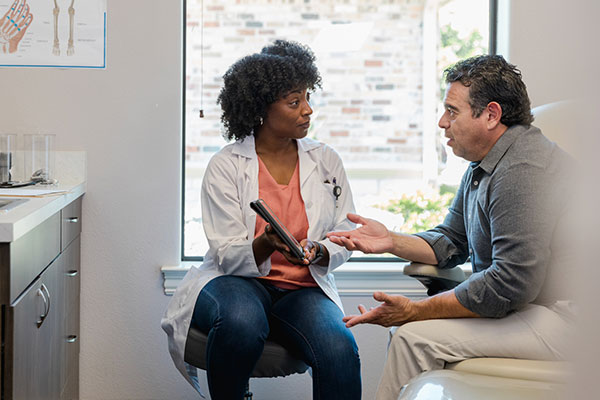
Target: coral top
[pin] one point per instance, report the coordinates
(286, 202)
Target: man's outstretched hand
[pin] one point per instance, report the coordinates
(371, 237)
(393, 311)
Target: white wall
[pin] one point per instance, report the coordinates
(554, 44)
(127, 118)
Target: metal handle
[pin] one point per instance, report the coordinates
(72, 220)
(49, 301)
(43, 316)
(72, 272)
(71, 338)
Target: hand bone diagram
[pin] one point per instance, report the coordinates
(13, 26)
(18, 19)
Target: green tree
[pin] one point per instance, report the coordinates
(461, 47)
(420, 210)
(453, 48)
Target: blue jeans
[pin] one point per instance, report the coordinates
(238, 314)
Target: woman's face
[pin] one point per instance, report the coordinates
(289, 117)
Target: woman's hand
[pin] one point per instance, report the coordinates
(311, 249)
(280, 246)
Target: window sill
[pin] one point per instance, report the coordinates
(352, 279)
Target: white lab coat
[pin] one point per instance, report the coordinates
(230, 184)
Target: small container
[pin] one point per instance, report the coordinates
(8, 147)
(39, 157)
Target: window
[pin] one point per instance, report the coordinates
(381, 63)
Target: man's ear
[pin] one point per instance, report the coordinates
(494, 111)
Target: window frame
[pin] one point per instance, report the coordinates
(492, 49)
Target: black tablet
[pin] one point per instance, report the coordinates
(262, 209)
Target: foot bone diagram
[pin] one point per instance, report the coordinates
(70, 46)
(13, 26)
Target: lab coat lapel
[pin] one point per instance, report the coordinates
(246, 149)
(248, 178)
(307, 164)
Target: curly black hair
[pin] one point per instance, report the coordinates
(491, 78)
(254, 82)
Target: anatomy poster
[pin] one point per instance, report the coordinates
(53, 33)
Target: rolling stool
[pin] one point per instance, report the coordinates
(275, 360)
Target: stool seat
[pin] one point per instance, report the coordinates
(275, 360)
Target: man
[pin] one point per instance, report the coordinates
(505, 217)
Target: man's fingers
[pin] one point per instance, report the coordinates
(343, 241)
(362, 309)
(338, 234)
(357, 219)
(335, 239)
(347, 243)
(355, 320)
(359, 319)
(383, 297)
(348, 318)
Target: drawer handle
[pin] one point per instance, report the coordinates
(72, 272)
(71, 338)
(73, 220)
(40, 292)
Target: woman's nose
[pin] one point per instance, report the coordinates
(307, 110)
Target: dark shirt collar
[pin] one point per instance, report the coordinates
(495, 154)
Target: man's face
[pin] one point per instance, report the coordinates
(467, 134)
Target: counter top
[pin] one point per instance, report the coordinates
(17, 221)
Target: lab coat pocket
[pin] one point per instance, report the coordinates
(327, 204)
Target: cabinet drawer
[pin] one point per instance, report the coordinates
(71, 223)
(30, 254)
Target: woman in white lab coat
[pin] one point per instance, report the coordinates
(250, 286)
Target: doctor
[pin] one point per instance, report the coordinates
(250, 286)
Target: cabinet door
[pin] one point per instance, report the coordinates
(36, 330)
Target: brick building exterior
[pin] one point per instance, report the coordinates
(372, 109)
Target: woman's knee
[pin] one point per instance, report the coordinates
(337, 349)
(233, 305)
(243, 321)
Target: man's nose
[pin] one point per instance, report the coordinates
(443, 122)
